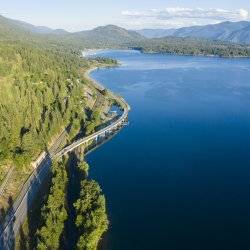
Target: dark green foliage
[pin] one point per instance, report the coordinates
(84, 168)
(192, 46)
(93, 122)
(91, 219)
(41, 93)
(54, 213)
(104, 60)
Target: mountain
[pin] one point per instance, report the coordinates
(194, 46)
(15, 27)
(109, 34)
(8, 29)
(237, 32)
(40, 29)
(241, 35)
(30, 27)
(100, 37)
(156, 33)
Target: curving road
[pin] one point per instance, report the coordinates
(19, 209)
(101, 132)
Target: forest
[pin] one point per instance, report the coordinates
(41, 93)
(193, 46)
(67, 219)
(111, 36)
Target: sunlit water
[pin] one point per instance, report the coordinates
(178, 177)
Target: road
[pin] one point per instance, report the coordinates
(95, 135)
(18, 212)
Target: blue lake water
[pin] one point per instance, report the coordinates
(178, 177)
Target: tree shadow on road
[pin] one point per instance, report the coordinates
(23, 240)
(34, 221)
(37, 197)
(7, 238)
(73, 190)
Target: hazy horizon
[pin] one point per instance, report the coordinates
(76, 15)
(61, 28)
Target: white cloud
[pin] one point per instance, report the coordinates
(178, 17)
(168, 13)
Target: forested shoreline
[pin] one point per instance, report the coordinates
(90, 221)
(43, 93)
(69, 219)
(114, 37)
(193, 47)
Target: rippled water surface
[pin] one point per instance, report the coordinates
(178, 177)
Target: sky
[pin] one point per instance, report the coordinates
(76, 15)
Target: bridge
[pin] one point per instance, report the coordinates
(103, 132)
(19, 209)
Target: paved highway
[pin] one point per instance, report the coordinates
(18, 212)
(111, 127)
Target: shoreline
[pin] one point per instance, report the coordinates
(124, 105)
(192, 55)
(41, 172)
(96, 84)
(121, 101)
(91, 52)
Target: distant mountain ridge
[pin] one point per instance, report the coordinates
(32, 28)
(110, 33)
(114, 37)
(156, 33)
(236, 32)
(104, 36)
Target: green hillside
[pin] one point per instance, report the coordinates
(193, 46)
(107, 36)
(112, 36)
(40, 77)
(40, 94)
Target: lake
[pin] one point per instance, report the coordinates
(178, 176)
